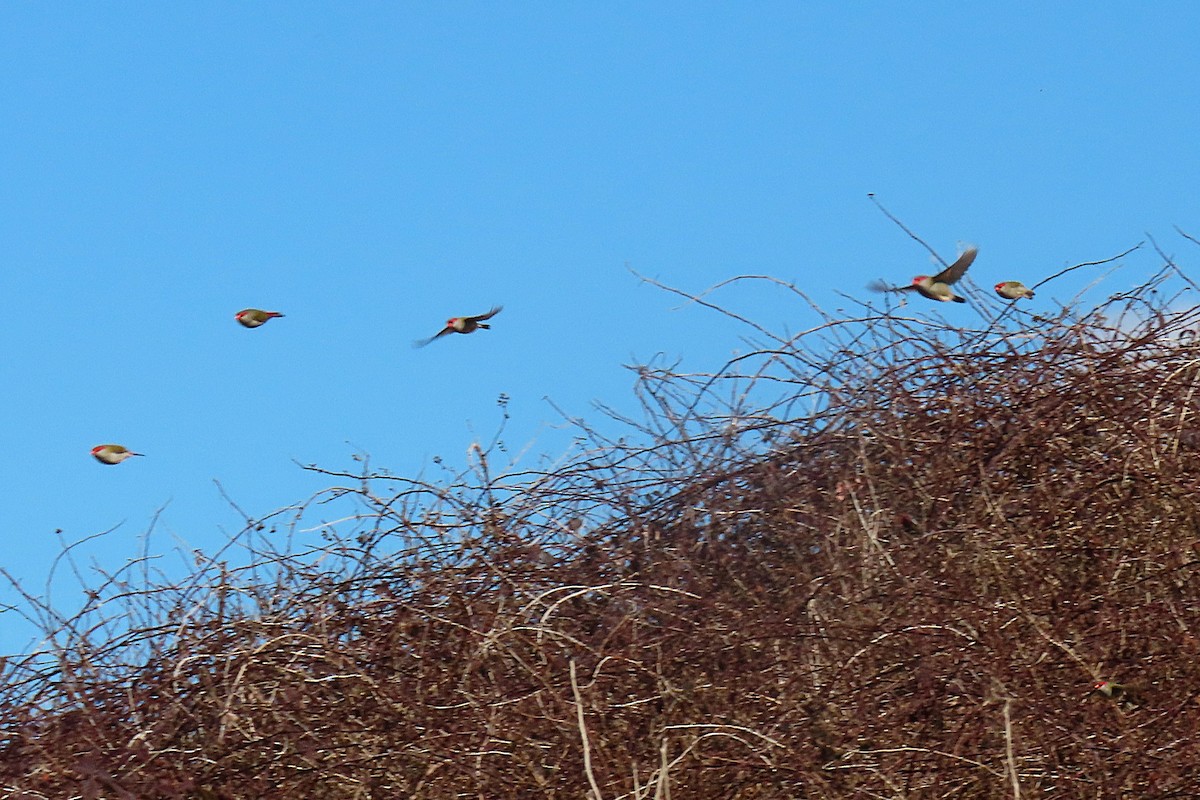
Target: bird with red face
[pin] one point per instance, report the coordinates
(935, 287)
(255, 317)
(1126, 696)
(112, 453)
(1013, 290)
(462, 325)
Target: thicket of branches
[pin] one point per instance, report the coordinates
(887, 557)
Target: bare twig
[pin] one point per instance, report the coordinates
(905, 228)
(583, 735)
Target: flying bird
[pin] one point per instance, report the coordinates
(112, 453)
(1013, 290)
(254, 317)
(935, 287)
(461, 325)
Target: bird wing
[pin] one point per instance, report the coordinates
(495, 310)
(880, 286)
(959, 268)
(438, 335)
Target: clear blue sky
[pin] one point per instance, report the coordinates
(370, 169)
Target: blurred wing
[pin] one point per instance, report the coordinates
(495, 310)
(959, 268)
(438, 335)
(880, 286)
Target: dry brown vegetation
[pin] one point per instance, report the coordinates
(887, 558)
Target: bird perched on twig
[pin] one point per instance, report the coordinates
(461, 325)
(112, 453)
(935, 287)
(1125, 696)
(254, 317)
(1013, 290)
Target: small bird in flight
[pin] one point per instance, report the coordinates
(1013, 290)
(461, 325)
(254, 317)
(112, 453)
(935, 287)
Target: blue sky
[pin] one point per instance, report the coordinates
(370, 169)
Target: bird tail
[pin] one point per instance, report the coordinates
(1029, 293)
(484, 325)
(958, 299)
